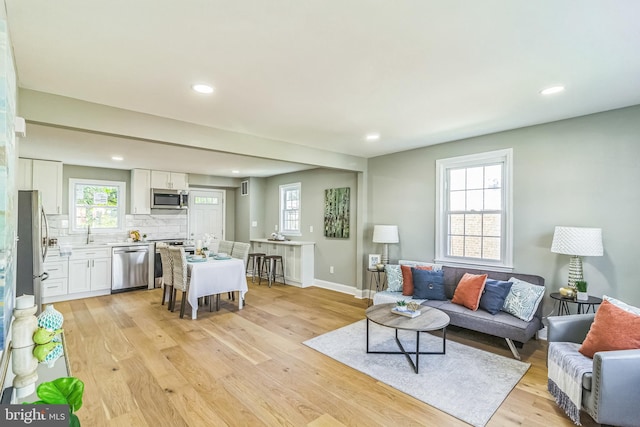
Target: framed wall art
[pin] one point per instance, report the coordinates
(337, 203)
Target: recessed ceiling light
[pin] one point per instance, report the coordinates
(117, 158)
(551, 90)
(373, 137)
(202, 88)
(235, 171)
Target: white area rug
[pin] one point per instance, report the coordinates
(468, 383)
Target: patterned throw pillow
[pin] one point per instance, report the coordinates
(394, 277)
(623, 305)
(523, 299)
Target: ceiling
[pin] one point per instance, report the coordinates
(324, 73)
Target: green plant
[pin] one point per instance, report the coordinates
(64, 390)
(581, 286)
(401, 303)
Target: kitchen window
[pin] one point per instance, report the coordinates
(290, 205)
(474, 212)
(96, 203)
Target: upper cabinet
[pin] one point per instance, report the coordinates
(140, 191)
(172, 180)
(44, 176)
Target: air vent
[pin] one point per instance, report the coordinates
(244, 188)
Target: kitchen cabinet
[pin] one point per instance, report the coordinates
(44, 176)
(57, 284)
(298, 259)
(90, 270)
(24, 178)
(171, 180)
(140, 191)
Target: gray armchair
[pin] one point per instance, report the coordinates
(611, 392)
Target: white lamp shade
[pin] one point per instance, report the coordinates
(385, 234)
(580, 241)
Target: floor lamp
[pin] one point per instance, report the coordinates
(577, 242)
(385, 234)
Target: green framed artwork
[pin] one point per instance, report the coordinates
(336, 212)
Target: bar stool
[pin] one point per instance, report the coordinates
(255, 260)
(270, 268)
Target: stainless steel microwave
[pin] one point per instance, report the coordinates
(162, 198)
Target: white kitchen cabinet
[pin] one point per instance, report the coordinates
(24, 176)
(298, 258)
(90, 270)
(170, 180)
(44, 176)
(47, 178)
(140, 191)
(57, 284)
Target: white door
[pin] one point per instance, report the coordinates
(206, 214)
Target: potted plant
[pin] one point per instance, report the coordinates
(581, 287)
(401, 305)
(62, 391)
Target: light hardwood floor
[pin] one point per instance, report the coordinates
(144, 366)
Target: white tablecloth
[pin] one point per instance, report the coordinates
(216, 277)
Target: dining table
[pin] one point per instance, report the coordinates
(215, 275)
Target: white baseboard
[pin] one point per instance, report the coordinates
(339, 287)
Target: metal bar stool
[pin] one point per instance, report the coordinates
(255, 260)
(270, 269)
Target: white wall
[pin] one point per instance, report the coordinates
(577, 172)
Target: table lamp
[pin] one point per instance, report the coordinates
(577, 242)
(385, 234)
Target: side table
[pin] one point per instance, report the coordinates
(583, 305)
(379, 277)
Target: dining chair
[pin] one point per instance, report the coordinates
(225, 247)
(167, 273)
(180, 277)
(241, 251)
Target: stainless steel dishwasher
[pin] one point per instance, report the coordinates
(130, 268)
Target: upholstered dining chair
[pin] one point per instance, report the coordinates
(180, 277)
(225, 247)
(167, 273)
(241, 251)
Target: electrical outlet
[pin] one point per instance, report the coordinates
(254, 223)
(311, 229)
(276, 227)
(331, 269)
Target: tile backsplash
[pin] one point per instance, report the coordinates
(156, 227)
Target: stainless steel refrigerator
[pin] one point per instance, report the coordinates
(33, 238)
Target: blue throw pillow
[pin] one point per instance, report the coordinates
(428, 284)
(494, 294)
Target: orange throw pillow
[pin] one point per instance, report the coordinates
(407, 278)
(469, 290)
(612, 329)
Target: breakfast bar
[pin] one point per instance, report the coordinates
(298, 258)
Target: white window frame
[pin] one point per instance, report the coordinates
(122, 195)
(297, 186)
(481, 159)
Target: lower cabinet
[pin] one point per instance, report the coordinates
(89, 270)
(58, 281)
(298, 259)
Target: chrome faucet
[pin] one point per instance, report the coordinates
(88, 233)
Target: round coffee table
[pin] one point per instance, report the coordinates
(430, 319)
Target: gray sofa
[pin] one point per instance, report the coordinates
(504, 325)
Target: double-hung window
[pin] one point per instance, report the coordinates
(290, 205)
(474, 213)
(96, 204)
